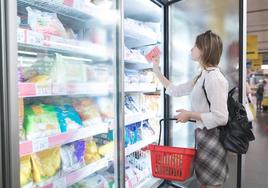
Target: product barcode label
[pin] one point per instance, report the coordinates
(60, 183)
(40, 144)
(43, 89)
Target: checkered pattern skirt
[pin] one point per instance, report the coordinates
(211, 166)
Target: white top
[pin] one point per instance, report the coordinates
(217, 91)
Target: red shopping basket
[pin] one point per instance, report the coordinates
(171, 163)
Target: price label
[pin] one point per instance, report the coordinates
(40, 144)
(60, 183)
(43, 89)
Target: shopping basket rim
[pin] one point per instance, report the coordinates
(172, 149)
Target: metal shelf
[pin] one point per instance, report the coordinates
(139, 145)
(61, 9)
(139, 40)
(40, 144)
(140, 88)
(132, 64)
(78, 175)
(38, 90)
(129, 119)
(73, 51)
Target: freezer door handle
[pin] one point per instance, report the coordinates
(164, 120)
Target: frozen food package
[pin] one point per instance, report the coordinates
(93, 181)
(104, 138)
(132, 76)
(18, 21)
(44, 65)
(42, 68)
(109, 178)
(91, 152)
(134, 132)
(88, 111)
(68, 2)
(131, 106)
(68, 70)
(25, 74)
(45, 22)
(25, 170)
(39, 79)
(137, 29)
(40, 120)
(70, 33)
(68, 118)
(146, 76)
(46, 164)
(106, 149)
(106, 107)
(21, 117)
(152, 55)
(72, 156)
(151, 103)
(147, 130)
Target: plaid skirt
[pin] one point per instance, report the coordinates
(210, 165)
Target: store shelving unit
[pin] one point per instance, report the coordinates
(39, 144)
(143, 42)
(85, 37)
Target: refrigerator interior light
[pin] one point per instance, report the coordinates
(108, 17)
(77, 58)
(27, 53)
(26, 61)
(264, 67)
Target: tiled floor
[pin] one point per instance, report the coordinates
(256, 164)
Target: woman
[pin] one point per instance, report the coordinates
(211, 164)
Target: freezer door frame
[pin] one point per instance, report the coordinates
(119, 141)
(242, 71)
(9, 95)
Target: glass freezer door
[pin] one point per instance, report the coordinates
(187, 19)
(142, 105)
(66, 78)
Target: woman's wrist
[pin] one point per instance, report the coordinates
(156, 68)
(194, 115)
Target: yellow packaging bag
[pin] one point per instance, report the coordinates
(91, 152)
(46, 164)
(25, 170)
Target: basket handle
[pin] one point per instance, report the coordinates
(168, 119)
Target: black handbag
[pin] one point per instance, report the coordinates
(236, 134)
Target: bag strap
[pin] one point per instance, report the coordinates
(204, 89)
(205, 92)
(230, 93)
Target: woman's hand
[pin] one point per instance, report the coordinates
(156, 63)
(183, 116)
(157, 71)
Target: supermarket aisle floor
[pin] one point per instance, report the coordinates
(256, 163)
